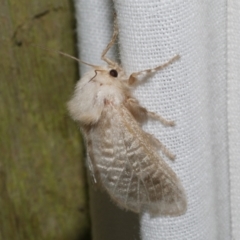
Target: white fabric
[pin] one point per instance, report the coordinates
(200, 93)
(233, 76)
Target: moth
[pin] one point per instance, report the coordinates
(122, 157)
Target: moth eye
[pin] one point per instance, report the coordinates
(113, 73)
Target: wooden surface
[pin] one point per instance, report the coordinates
(42, 186)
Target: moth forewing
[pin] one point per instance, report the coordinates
(122, 157)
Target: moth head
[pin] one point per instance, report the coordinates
(110, 75)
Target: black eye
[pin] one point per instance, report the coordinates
(113, 73)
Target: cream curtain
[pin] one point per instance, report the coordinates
(201, 93)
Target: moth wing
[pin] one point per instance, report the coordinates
(131, 170)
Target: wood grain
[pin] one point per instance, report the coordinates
(42, 179)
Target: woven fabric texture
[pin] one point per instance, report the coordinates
(193, 92)
(233, 95)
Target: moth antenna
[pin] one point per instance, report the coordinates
(112, 41)
(67, 55)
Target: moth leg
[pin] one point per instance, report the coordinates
(164, 121)
(161, 146)
(141, 114)
(138, 112)
(133, 77)
(166, 151)
(110, 44)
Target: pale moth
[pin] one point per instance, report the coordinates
(122, 157)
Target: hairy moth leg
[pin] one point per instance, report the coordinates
(156, 116)
(133, 77)
(141, 114)
(161, 147)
